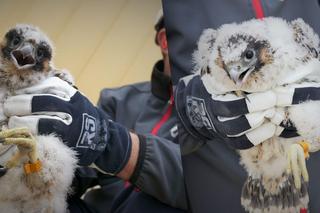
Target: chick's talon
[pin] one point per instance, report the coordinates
(23, 139)
(14, 133)
(297, 164)
(25, 146)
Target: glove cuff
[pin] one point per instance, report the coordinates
(117, 152)
(141, 156)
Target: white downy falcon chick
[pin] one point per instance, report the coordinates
(258, 56)
(39, 168)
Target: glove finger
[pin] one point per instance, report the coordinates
(262, 133)
(253, 137)
(241, 142)
(279, 116)
(238, 126)
(231, 105)
(49, 125)
(306, 94)
(52, 85)
(284, 96)
(297, 93)
(232, 126)
(28, 104)
(38, 124)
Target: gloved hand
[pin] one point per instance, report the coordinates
(239, 121)
(55, 107)
(242, 122)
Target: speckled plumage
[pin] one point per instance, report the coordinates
(46, 190)
(271, 53)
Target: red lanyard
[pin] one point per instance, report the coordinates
(257, 7)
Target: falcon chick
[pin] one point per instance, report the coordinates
(39, 168)
(257, 56)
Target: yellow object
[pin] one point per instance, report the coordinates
(305, 145)
(32, 167)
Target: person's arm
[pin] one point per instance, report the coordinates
(158, 170)
(154, 165)
(130, 167)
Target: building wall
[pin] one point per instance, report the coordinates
(103, 43)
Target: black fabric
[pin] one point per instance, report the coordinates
(120, 102)
(84, 178)
(131, 201)
(161, 175)
(101, 199)
(214, 178)
(306, 94)
(161, 86)
(77, 205)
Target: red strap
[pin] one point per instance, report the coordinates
(257, 7)
(303, 211)
(164, 118)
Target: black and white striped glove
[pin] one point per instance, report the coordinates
(290, 95)
(242, 122)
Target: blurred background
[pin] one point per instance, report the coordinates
(103, 43)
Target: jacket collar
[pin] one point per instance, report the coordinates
(161, 85)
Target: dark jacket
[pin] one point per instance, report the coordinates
(213, 175)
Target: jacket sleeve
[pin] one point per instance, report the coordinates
(159, 171)
(122, 101)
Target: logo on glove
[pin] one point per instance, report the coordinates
(88, 132)
(197, 113)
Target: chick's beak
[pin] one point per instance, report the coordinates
(240, 74)
(23, 56)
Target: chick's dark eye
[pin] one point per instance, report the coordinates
(249, 54)
(40, 53)
(16, 41)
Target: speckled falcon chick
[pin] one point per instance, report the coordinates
(268, 55)
(37, 170)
